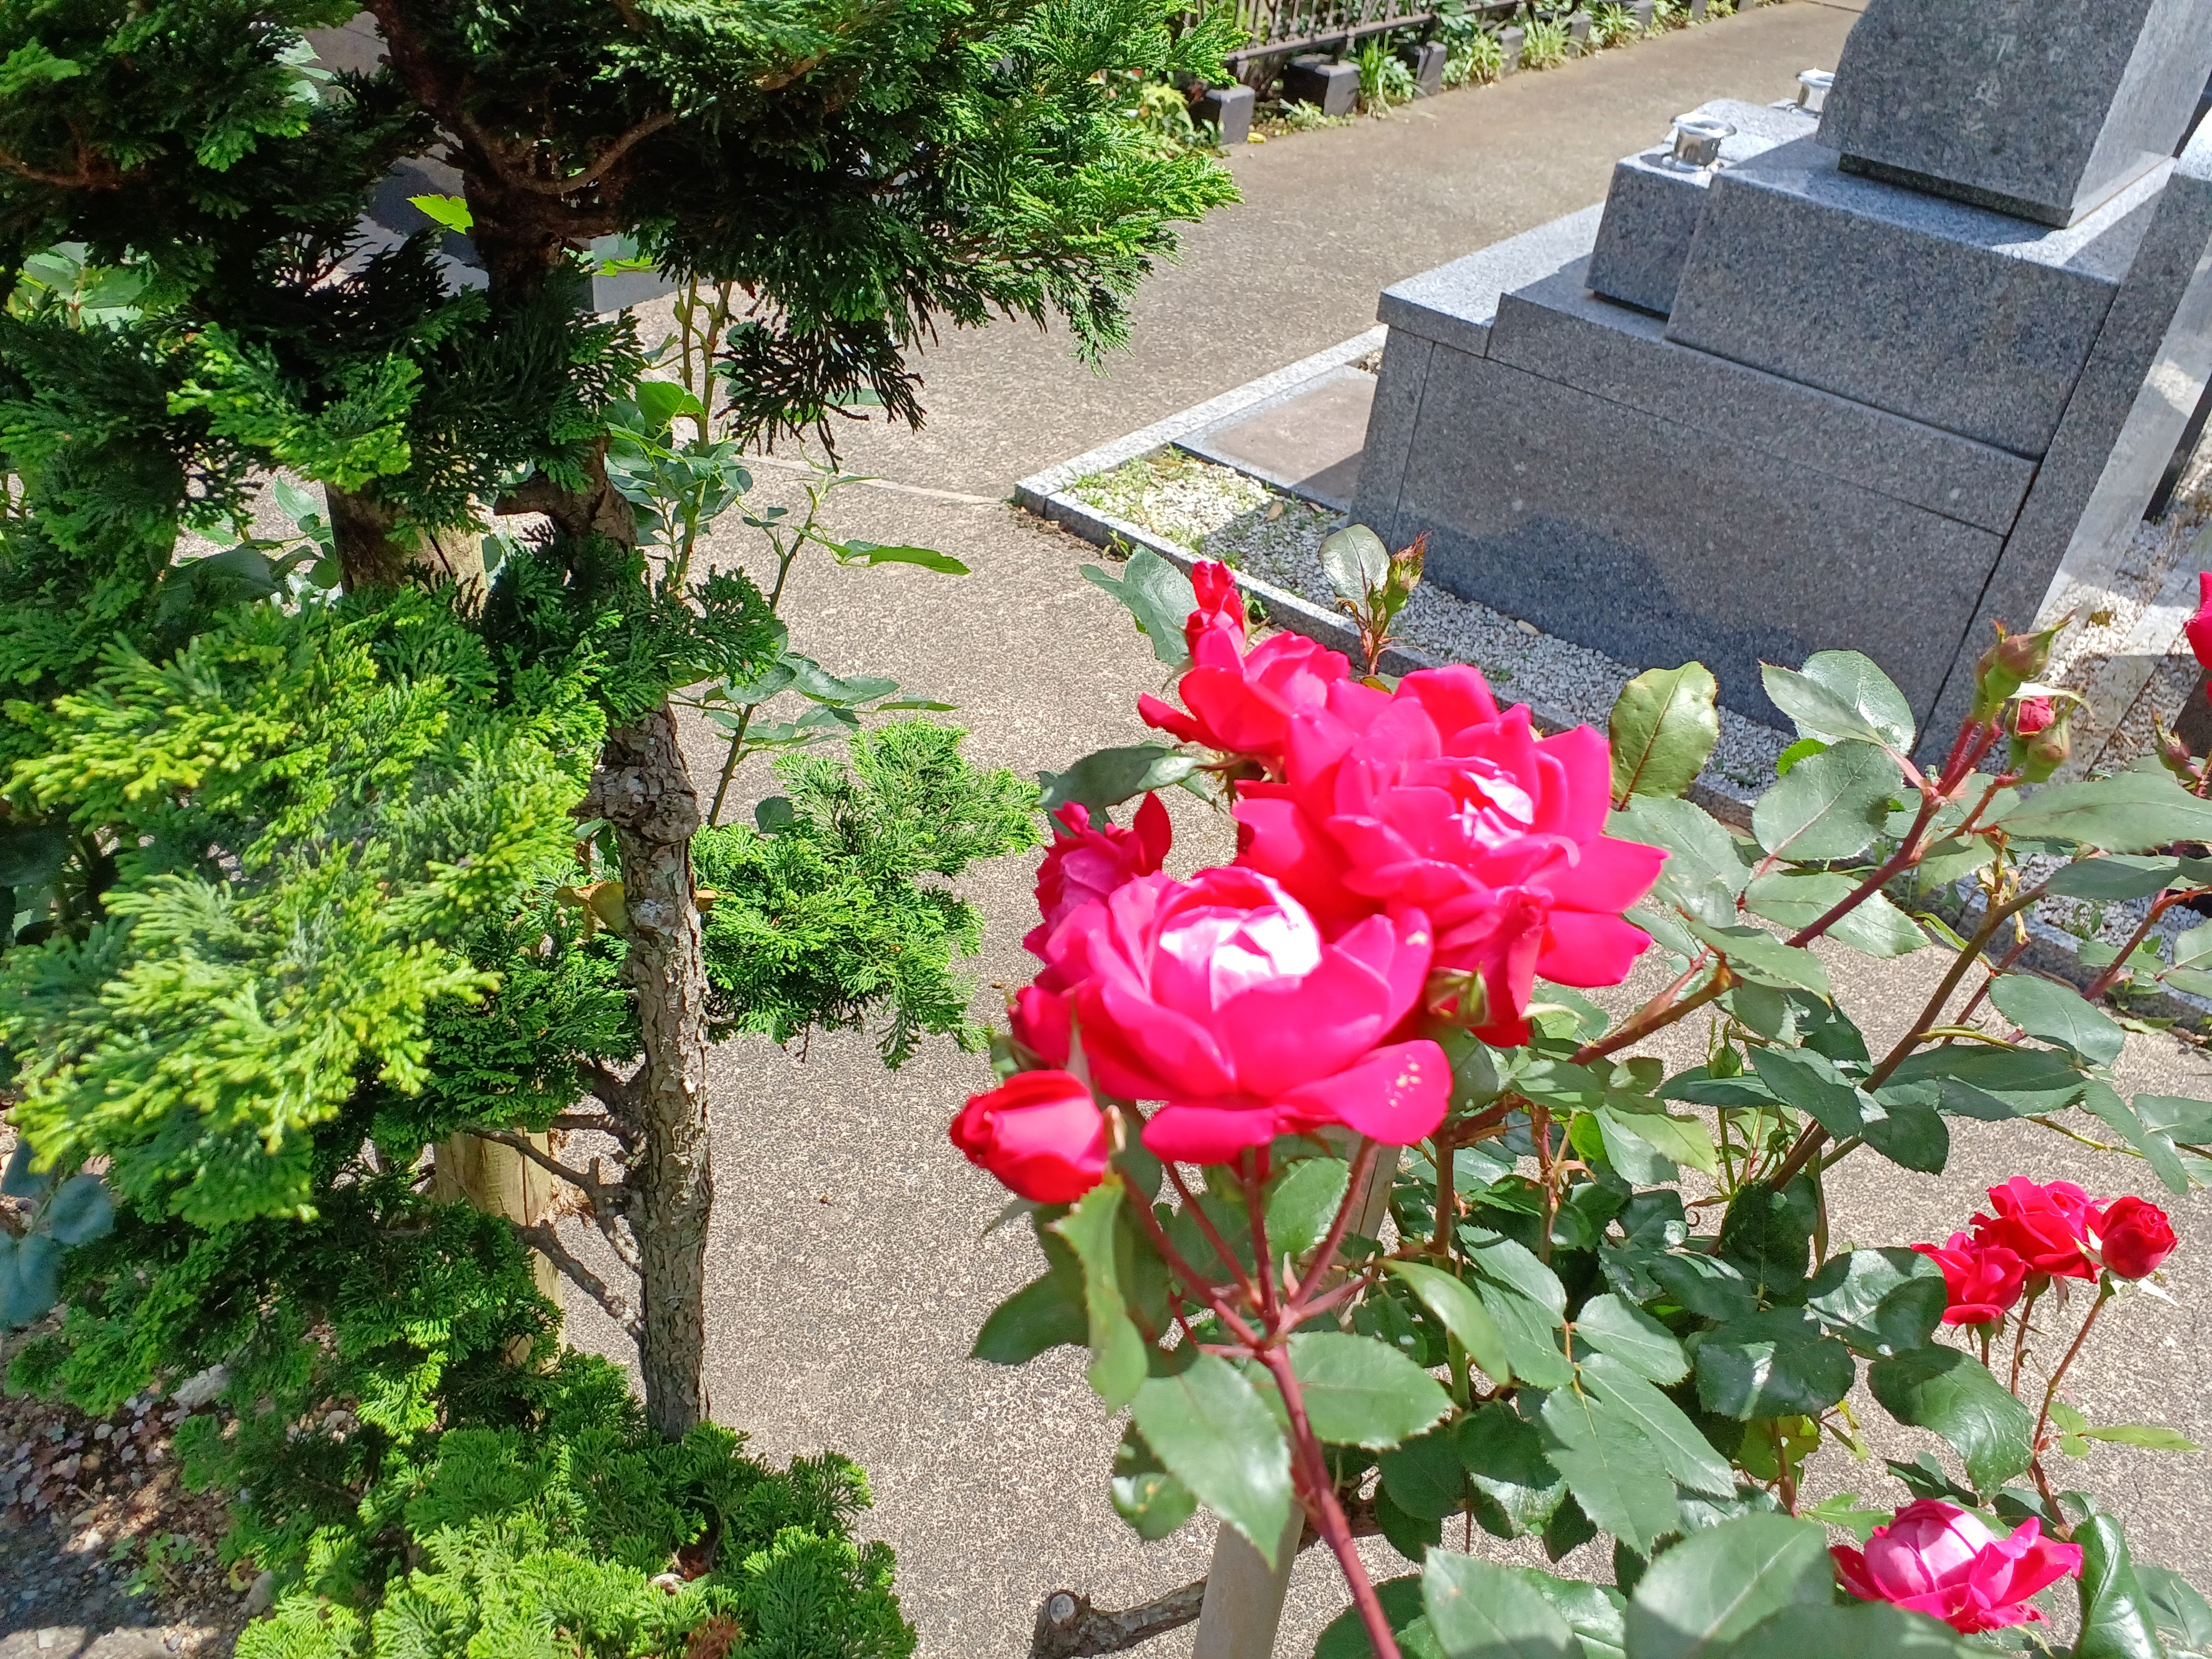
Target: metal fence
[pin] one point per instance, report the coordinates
(1277, 28)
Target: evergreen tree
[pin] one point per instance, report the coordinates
(281, 855)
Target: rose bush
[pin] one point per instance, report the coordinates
(1383, 1227)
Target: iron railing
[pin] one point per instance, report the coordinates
(1277, 28)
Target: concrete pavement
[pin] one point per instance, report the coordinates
(847, 1280)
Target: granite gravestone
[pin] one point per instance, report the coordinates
(1780, 403)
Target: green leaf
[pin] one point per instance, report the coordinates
(1424, 1476)
(1768, 1236)
(2175, 1605)
(1412, 1535)
(1110, 776)
(1811, 1083)
(1663, 726)
(870, 554)
(1358, 1392)
(2114, 878)
(2157, 1149)
(1460, 1312)
(1710, 1288)
(1633, 1337)
(1477, 1610)
(1346, 1635)
(1159, 596)
(19, 1180)
(1855, 1629)
(1880, 1302)
(1842, 695)
(2150, 1436)
(2177, 1116)
(1713, 1586)
(1993, 1085)
(1210, 1427)
(2116, 1621)
(80, 1211)
(1597, 1613)
(774, 815)
(1704, 870)
(1953, 1394)
(1611, 1467)
(1775, 1364)
(2139, 811)
(1678, 1139)
(2056, 1013)
(1831, 805)
(1516, 1488)
(450, 211)
(1355, 560)
(1754, 954)
(1912, 1133)
(1795, 899)
(1153, 1502)
(661, 402)
(1526, 1302)
(1303, 1203)
(1689, 1457)
(1117, 1351)
(1039, 1316)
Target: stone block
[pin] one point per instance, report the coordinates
(1227, 108)
(1557, 329)
(1946, 313)
(1456, 304)
(1391, 419)
(2149, 372)
(1655, 542)
(1332, 87)
(2040, 108)
(1641, 10)
(1509, 45)
(1426, 59)
(1651, 211)
(1578, 28)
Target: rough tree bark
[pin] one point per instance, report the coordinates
(375, 550)
(643, 790)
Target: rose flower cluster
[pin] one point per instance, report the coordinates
(2054, 1231)
(1403, 856)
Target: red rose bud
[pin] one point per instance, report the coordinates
(1040, 1133)
(2035, 758)
(2134, 1236)
(2031, 715)
(2011, 662)
(2198, 629)
(1220, 607)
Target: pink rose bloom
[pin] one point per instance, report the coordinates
(1220, 997)
(1084, 864)
(2133, 1236)
(2046, 1226)
(1241, 704)
(1434, 798)
(1936, 1559)
(2198, 627)
(1040, 1133)
(1220, 607)
(1982, 1280)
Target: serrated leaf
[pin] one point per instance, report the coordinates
(1795, 899)
(1160, 597)
(1663, 727)
(2114, 876)
(1346, 1635)
(1209, 1426)
(2152, 1437)
(1303, 1203)
(2137, 812)
(2116, 1621)
(1117, 1351)
(1460, 1312)
(2158, 1149)
(1756, 954)
(1108, 777)
(1633, 1337)
(1477, 1610)
(1678, 1139)
(1689, 1458)
(1880, 1301)
(1355, 560)
(1703, 872)
(1831, 805)
(1951, 1394)
(1611, 1467)
(1767, 1236)
(1424, 1476)
(1810, 1082)
(1776, 1364)
(1358, 1392)
(2058, 1013)
(1709, 1288)
(1842, 695)
(1709, 1589)
(1856, 1630)
(1526, 1302)
(450, 211)
(1992, 1085)
(1516, 1488)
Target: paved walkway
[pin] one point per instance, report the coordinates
(847, 1280)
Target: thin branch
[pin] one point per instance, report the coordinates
(586, 1180)
(657, 122)
(542, 1239)
(1656, 1016)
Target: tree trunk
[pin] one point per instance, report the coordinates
(375, 550)
(643, 790)
(499, 1181)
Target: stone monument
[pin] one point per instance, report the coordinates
(1868, 371)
